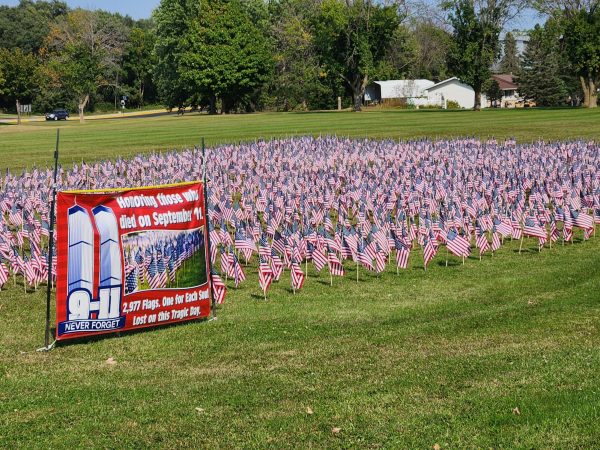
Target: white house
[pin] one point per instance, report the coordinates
(455, 90)
(410, 91)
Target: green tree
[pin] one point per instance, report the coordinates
(540, 78)
(19, 70)
(83, 51)
(580, 23)
(510, 62)
(297, 80)
(173, 19)
(493, 91)
(582, 38)
(353, 38)
(433, 44)
(227, 57)
(476, 30)
(138, 62)
(26, 25)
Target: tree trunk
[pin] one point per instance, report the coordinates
(18, 112)
(590, 94)
(477, 105)
(212, 104)
(81, 106)
(358, 91)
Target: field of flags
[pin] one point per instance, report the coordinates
(330, 202)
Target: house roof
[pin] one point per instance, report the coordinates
(505, 81)
(446, 81)
(403, 88)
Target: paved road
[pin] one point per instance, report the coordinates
(127, 115)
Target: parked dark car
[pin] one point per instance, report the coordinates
(58, 114)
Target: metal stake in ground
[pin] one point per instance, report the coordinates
(208, 258)
(51, 244)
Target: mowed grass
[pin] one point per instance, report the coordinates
(502, 353)
(402, 361)
(26, 145)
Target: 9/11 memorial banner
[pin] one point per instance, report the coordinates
(129, 259)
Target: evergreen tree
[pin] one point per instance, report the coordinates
(510, 60)
(540, 78)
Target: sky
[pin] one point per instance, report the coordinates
(138, 9)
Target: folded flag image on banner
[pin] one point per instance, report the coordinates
(131, 259)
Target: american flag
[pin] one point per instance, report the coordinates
(317, 256)
(363, 258)
(238, 273)
(161, 274)
(379, 260)
(429, 251)
(219, 288)
(531, 228)
(457, 244)
(481, 240)
(495, 241)
(297, 276)
(3, 274)
(276, 265)
(265, 275)
(131, 281)
(335, 266)
(402, 253)
(153, 279)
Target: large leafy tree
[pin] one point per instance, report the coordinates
(211, 50)
(510, 62)
(138, 62)
(227, 56)
(582, 38)
(476, 30)
(433, 43)
(19, 72)
(580, 20)
(298, 81)
(26, 25)
(173, 19)
(83, 52)
(540, 75)
(353, 38)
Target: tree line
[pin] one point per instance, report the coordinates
(248, 55)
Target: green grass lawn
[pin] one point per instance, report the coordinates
(33, 143)
(403, 361)
(407, 361)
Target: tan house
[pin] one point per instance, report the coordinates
(510, 91)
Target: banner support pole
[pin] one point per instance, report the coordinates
(47, 345)
(213, 306)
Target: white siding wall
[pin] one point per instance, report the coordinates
(456, 91)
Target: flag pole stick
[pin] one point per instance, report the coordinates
(357, 270)
(521, 246)
(213, 306)
(51, 245)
